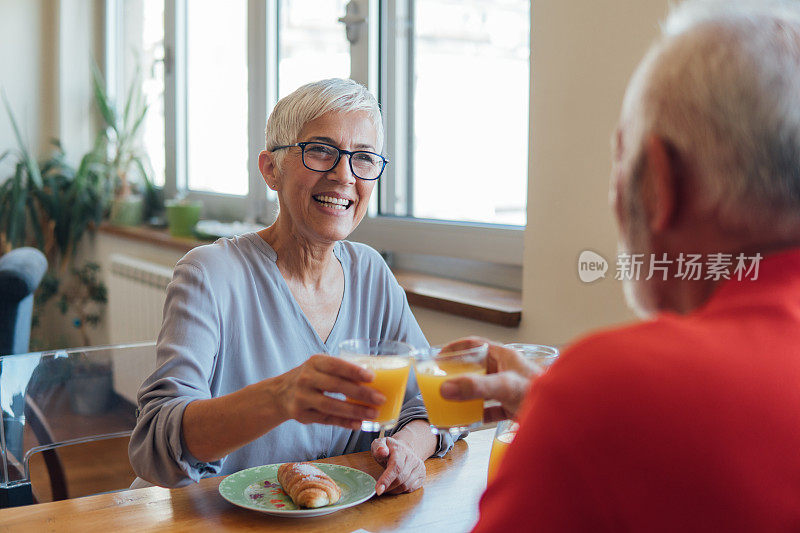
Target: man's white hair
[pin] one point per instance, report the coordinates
(311, 101)
(722, 86)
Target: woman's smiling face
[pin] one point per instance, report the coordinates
(324, 207)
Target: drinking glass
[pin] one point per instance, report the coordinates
(539, 355)
(503, 436)
(432, 367)
(391, 361)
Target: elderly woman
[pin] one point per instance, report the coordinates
(237, 384)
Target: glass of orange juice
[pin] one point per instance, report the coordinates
(503, 436)
(432, 367)
(391, 362)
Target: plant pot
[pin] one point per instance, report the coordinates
(127, 211)
(182, 217)
(90, 394)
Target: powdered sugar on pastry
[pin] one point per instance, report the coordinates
(307, 485)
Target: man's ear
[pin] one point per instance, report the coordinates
(660, 184)
(266, 164)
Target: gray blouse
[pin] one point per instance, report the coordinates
(230, 320)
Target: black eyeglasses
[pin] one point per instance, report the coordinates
(323, 157)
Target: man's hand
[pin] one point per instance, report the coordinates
(507, 379)
(404, 470)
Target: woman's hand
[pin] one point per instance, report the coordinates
(507, 379)
(404, 469)
(300, 392)
(215, 427)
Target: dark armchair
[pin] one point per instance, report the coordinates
(21, 271)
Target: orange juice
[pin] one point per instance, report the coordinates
(391, 376)
(446, 413)
(499, 446)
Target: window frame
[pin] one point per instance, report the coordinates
(406, 234)
(261, 62)
(380, 61)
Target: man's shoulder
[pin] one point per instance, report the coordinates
(619, 375)
(660, 335)
(631, 359)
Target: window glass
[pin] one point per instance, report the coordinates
(470, 110)
(216, 96)
(142, 48)
(312, 43)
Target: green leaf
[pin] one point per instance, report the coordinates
(47, 288)
(37, 229)
(137, 161)
(63, 305)
(131, 134)
(133, 91)
(101, 99)
(30, 163)
(15, 229)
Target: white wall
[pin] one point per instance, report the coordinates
(27, 46)
(46, 47)
(80, 42)
(583, 53)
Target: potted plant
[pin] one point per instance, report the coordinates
(125, 160)
(51, 206)
(17, 199)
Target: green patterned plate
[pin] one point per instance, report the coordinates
(257, 488)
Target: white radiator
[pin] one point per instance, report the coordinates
(136, 292)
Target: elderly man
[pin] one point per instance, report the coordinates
(691, 419)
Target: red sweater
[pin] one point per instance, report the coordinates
(681, 423)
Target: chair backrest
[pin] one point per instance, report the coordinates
(21, 271)
(59, 399)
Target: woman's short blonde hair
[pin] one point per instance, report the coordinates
(311, 101)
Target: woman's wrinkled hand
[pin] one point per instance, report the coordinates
(403, 471)
(301, 393)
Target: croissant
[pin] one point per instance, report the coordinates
(307, 485)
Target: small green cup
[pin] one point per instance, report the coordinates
(182, 217)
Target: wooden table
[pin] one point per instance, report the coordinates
(447, 502)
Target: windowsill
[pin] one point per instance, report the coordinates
(470, 300)
(459, 298)
(160, 237)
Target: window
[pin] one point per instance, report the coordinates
(216, 105)
(470, 110)
(452, 77)
(138, 50)
(312, 45)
